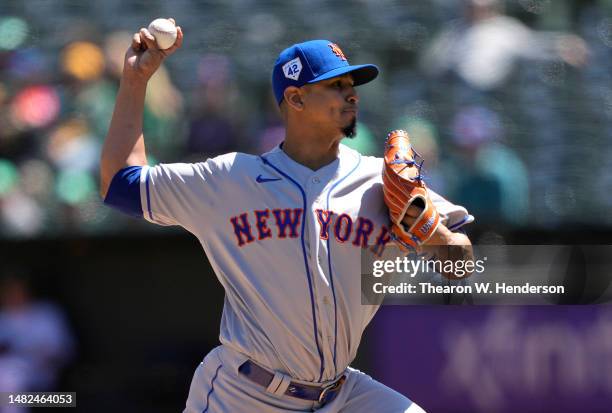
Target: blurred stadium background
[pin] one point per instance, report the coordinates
(509, 102)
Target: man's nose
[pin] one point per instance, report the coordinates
(352, 96)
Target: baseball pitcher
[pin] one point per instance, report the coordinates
(284, 232)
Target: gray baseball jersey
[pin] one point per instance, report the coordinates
(285, 243)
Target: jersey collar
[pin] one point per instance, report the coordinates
(346, 161)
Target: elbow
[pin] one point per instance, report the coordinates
(462, 258)
(462, 247)
(459, 250)
(103, 188)
(106, 176)
(104, 184)
(109, 168)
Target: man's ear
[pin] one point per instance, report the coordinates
(293, 98)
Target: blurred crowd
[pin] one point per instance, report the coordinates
(510, 103)
(36, 342)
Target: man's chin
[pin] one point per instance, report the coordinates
(350, 131)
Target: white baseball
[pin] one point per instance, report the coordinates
(164, 32)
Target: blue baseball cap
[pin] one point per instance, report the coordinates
(312, 61)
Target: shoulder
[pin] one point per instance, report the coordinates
(372, 162)
(233, 163)
(220, 168)
(232, 160)
(348, 154)
(367, 165)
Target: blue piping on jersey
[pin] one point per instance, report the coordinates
(331, 277)
(308, 275)
(460, 223)
(212, 387)
(148, 196)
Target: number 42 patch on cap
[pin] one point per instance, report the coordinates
(293, 68)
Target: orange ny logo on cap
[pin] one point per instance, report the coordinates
(337, 51)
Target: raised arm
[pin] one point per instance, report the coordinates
(124, 144)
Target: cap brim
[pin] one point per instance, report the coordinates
(362, 74)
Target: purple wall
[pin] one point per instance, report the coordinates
(497, 359)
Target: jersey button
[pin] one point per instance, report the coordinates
(315, 180)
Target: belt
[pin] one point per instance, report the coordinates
(319, 394)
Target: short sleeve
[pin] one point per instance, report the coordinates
(180, 193)
(453, 216)
(124, 191)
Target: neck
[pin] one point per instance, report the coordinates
(311, 151)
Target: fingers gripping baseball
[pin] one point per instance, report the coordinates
(144, 56)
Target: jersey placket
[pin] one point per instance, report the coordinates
(321, 284)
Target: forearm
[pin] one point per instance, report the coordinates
(124, 143)
(446, 245)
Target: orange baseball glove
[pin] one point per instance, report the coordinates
(404, 186)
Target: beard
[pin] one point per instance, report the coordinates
(351, 130)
